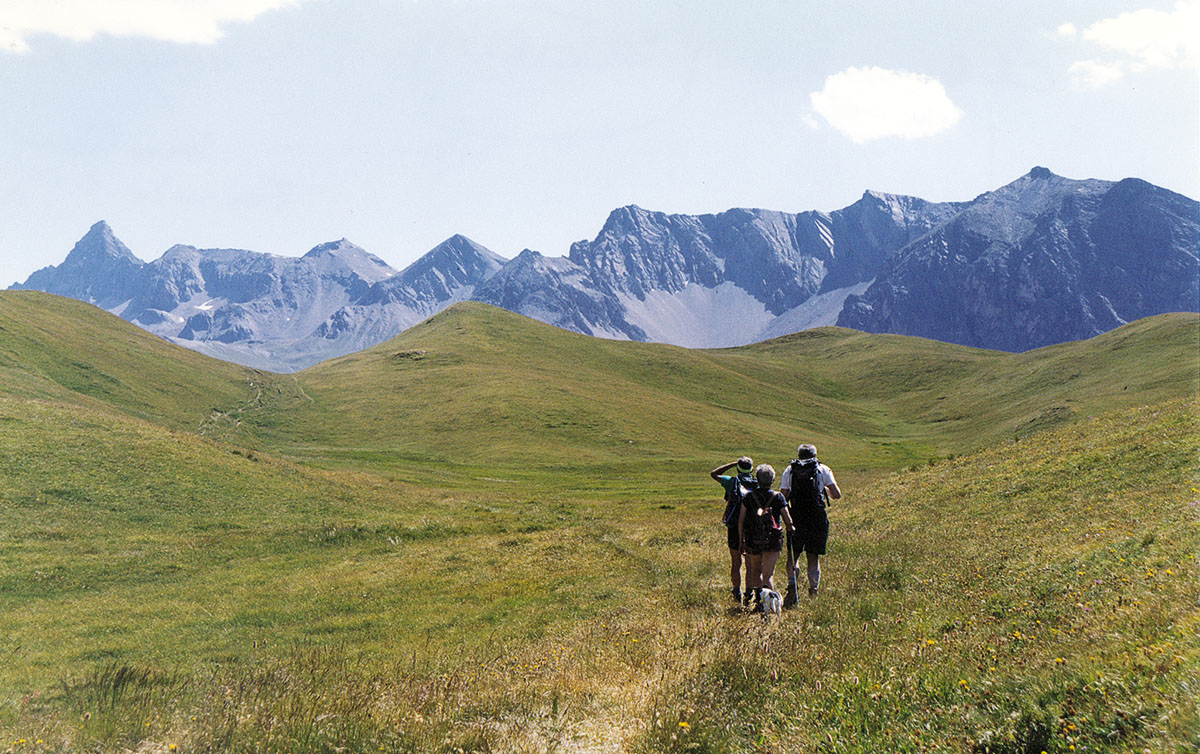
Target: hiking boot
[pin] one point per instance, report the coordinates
(737, 594)
(789, 599)
(757, 600)
(812, 591)
(746, 597)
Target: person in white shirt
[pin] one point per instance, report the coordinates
(809, 485)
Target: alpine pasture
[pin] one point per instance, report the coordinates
(489, 534)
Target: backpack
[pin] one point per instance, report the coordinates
(734, 498)
(807, 492)
(760, 528)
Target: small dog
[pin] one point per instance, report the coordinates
(771, 601)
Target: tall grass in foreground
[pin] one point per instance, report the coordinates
(1038, 596)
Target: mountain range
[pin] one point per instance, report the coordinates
(1042, 260)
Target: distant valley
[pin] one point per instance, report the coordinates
(1042, 260)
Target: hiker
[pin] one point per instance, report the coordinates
(808, 485)
(760, 529)
(736, 487)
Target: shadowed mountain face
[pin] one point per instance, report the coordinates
(99, 270)
(780, 259)
(1042, 260)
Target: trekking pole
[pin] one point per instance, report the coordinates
(793, 595)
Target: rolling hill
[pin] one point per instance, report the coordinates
(493, 535)
(57, 348)
(477, 388)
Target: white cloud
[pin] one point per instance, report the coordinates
(1140, 40)
(1094, 74)
(182, 21)
(1152, 38)
(873, 103)
(1067, 31)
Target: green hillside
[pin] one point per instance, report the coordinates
(1041, 595)
(57, 348)
(962, 398)
(477, 388)
(124, 539)
(492, 535)
(220, 601)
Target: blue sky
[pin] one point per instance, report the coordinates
(275, 125)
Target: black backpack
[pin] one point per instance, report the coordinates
(734, 497)
(807, 492)
(759, 528)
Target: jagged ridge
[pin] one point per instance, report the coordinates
(1038, 261)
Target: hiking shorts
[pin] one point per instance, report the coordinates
(735, 541)
(811, 535)
(773, 543)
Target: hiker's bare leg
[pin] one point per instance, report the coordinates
(735, 568)
(753, 571)
(769, 559)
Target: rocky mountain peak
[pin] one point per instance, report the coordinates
(446, 273)
(878, 197)
(332, 247)
(530, 265)
(879, 201)
(459, 241)
(457, 259)
(179, 252)
(344, 254)
(630, 218)
(528, 258)
(100, 270)
(460, 248)
(100, 243)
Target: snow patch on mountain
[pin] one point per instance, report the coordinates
(819, 311)
(698, 316)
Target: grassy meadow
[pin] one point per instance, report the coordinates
(492, 535)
